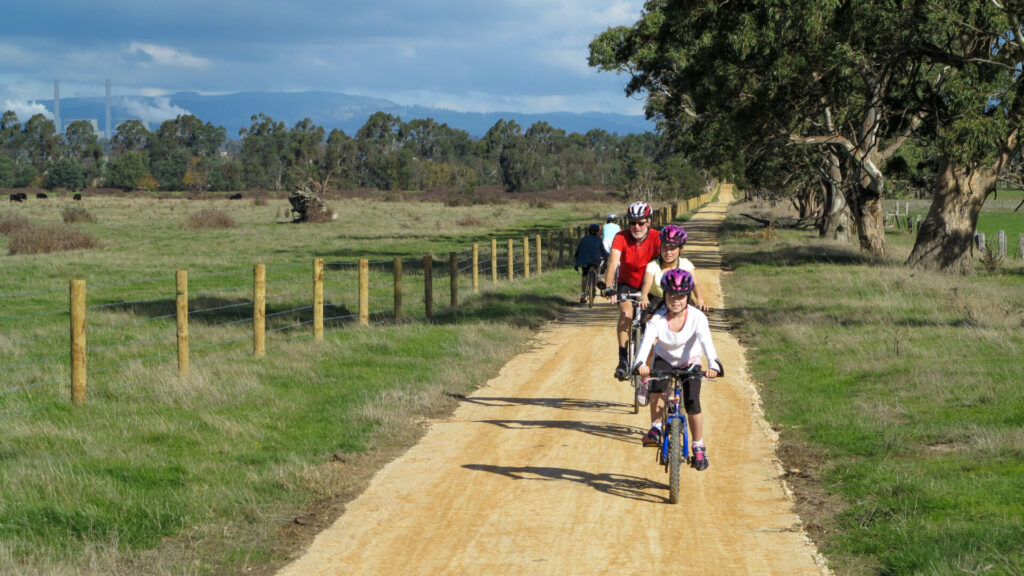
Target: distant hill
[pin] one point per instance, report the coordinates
(328, 109)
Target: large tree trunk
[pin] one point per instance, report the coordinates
(835, 218)
(946, 236)
(866, 204)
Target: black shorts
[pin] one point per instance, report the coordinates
(626, 288)
(587, 268)
(691, 387)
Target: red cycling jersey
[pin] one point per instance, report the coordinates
(635, 255)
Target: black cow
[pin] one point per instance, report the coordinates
(77, 197)
(40, 195)
(19, 197)
(235, 196)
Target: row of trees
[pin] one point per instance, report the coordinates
(385, 153)
(838, 103)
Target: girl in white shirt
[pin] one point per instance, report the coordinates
(679, 335)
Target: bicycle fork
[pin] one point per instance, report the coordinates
(676, 418)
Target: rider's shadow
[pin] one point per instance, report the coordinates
(560, 403)
(632, 487)
(618, 432)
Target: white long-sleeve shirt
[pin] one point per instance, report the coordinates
(681, 348)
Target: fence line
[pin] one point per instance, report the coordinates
(379, 291)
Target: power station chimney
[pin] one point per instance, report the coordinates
(106, 130)
(56, 105)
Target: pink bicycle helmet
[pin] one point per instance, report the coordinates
(639, 210)
(677, 281)
(673, 235)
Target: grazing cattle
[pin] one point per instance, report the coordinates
(19, 197)
(235, 197)
(77, 197)
(40, 195)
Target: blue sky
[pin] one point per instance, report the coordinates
(467, 55)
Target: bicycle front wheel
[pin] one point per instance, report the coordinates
(634, 379)
(675, 458)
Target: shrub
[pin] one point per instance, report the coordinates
(76, 214)
(209, 218)
(321, 216)
(41, 240)
(12, 222)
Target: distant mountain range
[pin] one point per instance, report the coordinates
(328, 109)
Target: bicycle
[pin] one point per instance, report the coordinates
(675, 437)
(636, 332)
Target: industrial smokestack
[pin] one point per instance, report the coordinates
(106, 130)
(56, 105)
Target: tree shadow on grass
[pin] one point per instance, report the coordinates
(799, 255)
(525, 309)
(620, 485)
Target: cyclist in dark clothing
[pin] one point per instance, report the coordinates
(589, 253)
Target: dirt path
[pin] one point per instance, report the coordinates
(541, 472)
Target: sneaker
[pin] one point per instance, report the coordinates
(652, 438)
(700, 457)
(642, 393)
(622, 370)
(583, 298)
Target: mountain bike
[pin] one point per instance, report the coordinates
(636, 333)
(675, 437)
(591, 285)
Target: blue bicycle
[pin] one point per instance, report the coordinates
(675, 437)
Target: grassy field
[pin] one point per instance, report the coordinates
(229, 469)
(896, 394)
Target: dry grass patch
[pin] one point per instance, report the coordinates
(209, 218)
(41, 240)
(76, 215)
(13, 222)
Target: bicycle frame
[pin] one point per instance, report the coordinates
(633, 344)
(674, 424)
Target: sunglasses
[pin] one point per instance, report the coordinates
(638, 223)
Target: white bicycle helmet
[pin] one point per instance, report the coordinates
(639, 210)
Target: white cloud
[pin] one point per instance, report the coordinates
(26, 110)
(167, 56)
(159, 110)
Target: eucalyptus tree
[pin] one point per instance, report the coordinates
(726, 80)
(976, 116)
(130, 136)
(264, 144)
(81, 145)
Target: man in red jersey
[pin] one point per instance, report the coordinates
(631, 250)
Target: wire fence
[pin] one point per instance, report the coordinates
(232, 313)
(136, 322)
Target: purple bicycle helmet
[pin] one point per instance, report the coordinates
(673, 235)
(639, 210)
(677, 281)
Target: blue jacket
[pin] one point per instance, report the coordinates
(589, 252)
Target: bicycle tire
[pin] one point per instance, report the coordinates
(591, 287)
(634, 379)
(675, 457)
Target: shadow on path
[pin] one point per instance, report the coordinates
(620, 485)
(560, 403)
(619, 432)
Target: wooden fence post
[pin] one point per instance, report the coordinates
(1020, 246)
(539, 252)
(453, 276)
(494, 260)
(428, 285)
(398, 288)
(511, 274)
(476, 267)
(318, 299)
(364, 292)
(181, 301)
(259, 310)
(77, 304)
(561, 248)
(526, 257)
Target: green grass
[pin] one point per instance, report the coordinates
(901, 387)
(157, 474)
